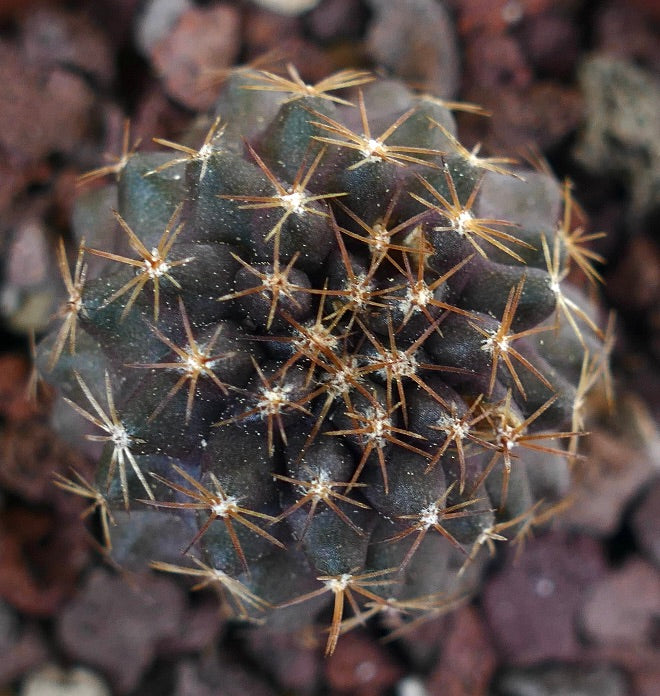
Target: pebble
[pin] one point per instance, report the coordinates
(214, 674)
(563, 680)
(620, 133)
(42, 556)
(623, 608)
(495, 16)
(41, 111)
(551, 42)
(497, 62)
(646, 523)
(52, 36)
(287, 7)
(361, 667)
(411, 686)
(156, 20)
(204, 40)
(296, 666)
(616, 471)
(634, 285)
(50, 680)
(26, 292)
(617, 22)
(21, 653)
(531, 607)
(116, 627)
(467, 661)
(416, 41)
(336, 20)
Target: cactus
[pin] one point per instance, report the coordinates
(332, 355)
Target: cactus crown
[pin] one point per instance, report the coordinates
(332, 355)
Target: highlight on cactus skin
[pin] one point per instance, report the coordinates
(333, 355)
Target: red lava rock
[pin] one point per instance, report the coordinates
(203, 624)
(635, 283)
(155, 20)
(614, 26)
(496, 62)
(205, 39)
(552, 44)
(15, 404)
(269, 30)
(12, 180)
(645, 682)
(214, 674)
(40, 112)
(649, 7)
(623, 608)
(336, 19)
(116, 626)
(467, 661)
(531, 608)
(615, 472)
(646, 524)
(12, 8)
(65, 193)
(116, 17)
(543, 115)
(21, 653)
(423, 642)
(189, 683)
(361, 667)
(53, 37)
(495, 16)
(30, 454)
(158, 116)
(416, 41)
(40, 559)
(295, 665)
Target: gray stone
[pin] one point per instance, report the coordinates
(50, 680)
(620, 133)
(157, 19)
(563, 680)
(646, 524)
(416, 41)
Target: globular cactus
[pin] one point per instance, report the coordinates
(331, 355)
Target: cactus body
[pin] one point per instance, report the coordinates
(318, 365)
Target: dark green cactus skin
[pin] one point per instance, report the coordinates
(339, 287)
